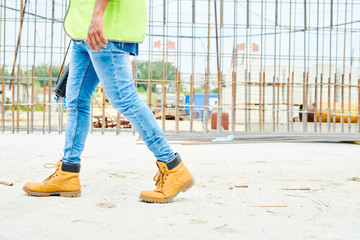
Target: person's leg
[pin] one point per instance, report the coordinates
(113, 67)
(81, 85)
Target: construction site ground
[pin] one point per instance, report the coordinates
(242, 191)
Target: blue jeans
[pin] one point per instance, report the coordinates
(111, 67)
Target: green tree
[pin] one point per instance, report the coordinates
(43, 70)
(157, 69)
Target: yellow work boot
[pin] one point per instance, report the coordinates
(171, 179)
(64, 182)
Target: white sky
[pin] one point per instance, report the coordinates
(42, 35)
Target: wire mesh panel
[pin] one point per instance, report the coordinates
(231, 66)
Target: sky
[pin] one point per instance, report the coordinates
(273, 25)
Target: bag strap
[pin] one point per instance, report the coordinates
(62, 65)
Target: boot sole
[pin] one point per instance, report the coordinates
(48, 194)
(184, 188)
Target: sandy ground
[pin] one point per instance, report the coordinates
(115, 169)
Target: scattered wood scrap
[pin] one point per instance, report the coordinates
(354, 179)
(241, 186)
(315, 201)
(238, 186)
(6, 183)
(110, 122)
(169, 115)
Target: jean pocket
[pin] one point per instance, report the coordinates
(118, 46)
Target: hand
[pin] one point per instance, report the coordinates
(96, 34)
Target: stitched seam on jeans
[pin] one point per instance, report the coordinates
(130, 109)
(116, 72)
(140, 124)
(77, 105)
(118, 86)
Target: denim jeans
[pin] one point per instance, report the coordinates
(111, 67)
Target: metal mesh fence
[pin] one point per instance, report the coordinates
(206, 66)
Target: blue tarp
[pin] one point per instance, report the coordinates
(199, 101)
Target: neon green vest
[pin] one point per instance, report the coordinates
(124, 20)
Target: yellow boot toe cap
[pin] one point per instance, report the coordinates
(150, 194)
(32, 186)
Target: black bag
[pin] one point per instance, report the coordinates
(60, 88)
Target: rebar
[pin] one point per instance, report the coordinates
(264, 67)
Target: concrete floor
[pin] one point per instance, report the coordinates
(115, 169)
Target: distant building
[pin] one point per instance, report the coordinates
(240, 54)
(199, 81)
(24, 93)
(283, 87)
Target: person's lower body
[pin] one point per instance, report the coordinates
(112, 67)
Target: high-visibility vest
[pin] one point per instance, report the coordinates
(124, 20)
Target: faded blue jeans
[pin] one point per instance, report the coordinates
(111, 67)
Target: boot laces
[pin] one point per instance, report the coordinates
(159, 180)
(51, 165)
